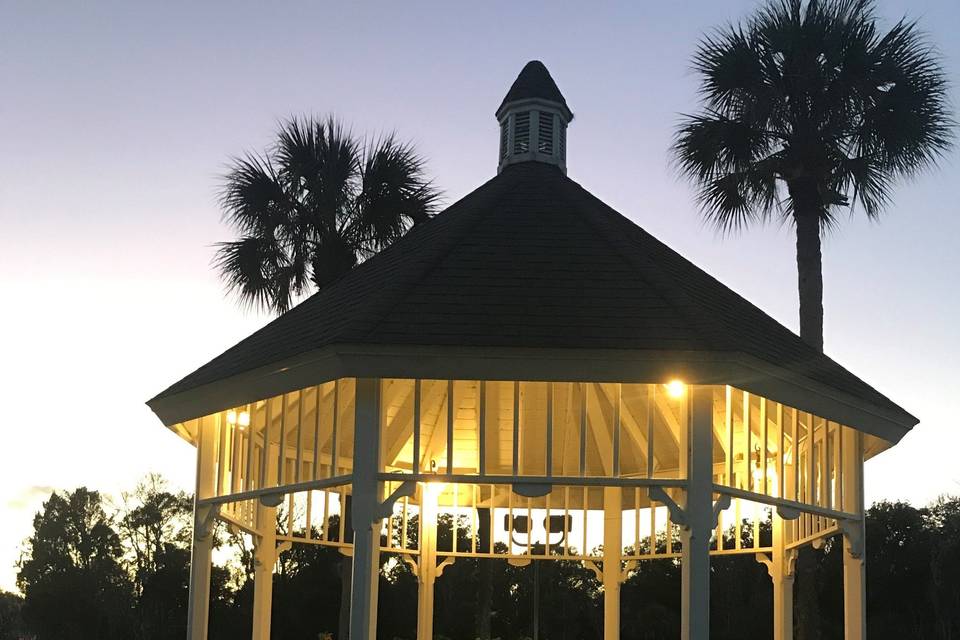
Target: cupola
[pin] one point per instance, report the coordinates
(533, 120)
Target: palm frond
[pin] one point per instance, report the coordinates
(252, 195)
(394, 194)
(811, 92)
(249, 268)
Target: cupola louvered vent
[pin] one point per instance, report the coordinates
(521, 132)
(545, 133)
(533, 120)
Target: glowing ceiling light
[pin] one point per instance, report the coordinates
(675, 388)
(242, 419)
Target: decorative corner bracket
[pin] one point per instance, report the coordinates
(722, 504)
(593, 566)
(206, 521)
(407, 489)
(852, 537)
(531, 490)
(788, 513)
(677, 513)
(449, 560)
(271, 500)
(789, 558)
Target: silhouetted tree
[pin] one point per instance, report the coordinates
(313, 206)
(155, 529)
(809, 107)
(73, 583)
(11, 618)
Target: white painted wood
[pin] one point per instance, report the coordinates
(695, 561)
(612, 551)
(367, 492)
(854, 569)
(427, 562)
(198, 606)
(781, 569)
(265, 557)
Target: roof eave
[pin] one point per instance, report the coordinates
(586, 365)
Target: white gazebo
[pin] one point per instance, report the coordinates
(562, 384)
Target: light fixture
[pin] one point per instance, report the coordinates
(675, 388)
(242, 419)
(432, 492)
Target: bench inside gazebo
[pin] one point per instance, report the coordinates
(535, 372)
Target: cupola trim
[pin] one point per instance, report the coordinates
(533, 120)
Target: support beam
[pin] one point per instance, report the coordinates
(781, 567)
(204, 516)
(854, 570)
(612, 551)
(427, 561)
(264, 559)
(366, 506)
(695, 535)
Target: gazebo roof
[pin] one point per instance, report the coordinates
(532, 277)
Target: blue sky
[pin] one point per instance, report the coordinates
(117, 118)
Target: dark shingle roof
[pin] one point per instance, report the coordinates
(531, 259)
(534, 81)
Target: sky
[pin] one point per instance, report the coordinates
(117, 120)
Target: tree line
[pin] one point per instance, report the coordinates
(94, 569)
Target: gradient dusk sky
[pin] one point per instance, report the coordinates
(117, 118)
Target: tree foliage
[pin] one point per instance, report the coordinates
(73, 582)
(810, 108)
(313, 206)
(82, 577)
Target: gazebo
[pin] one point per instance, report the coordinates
(553, 380)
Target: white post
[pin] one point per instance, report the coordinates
(612, 551)
(365, 519)
(427, 562)
(695, 536)
(264, 558)
(854, 574)
(198, 606)
(781, 569)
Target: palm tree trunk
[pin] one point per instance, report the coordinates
(810, 274)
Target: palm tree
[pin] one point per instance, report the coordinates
(809, 108)
(313, 206)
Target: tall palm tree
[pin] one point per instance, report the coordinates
(809, 108)
(313, 206)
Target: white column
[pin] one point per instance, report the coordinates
(198, 606)
(265, 558)
(695, 536)
(854, 574)
(427, 561)
(612, 551)
(365, 520)
(781, 569)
